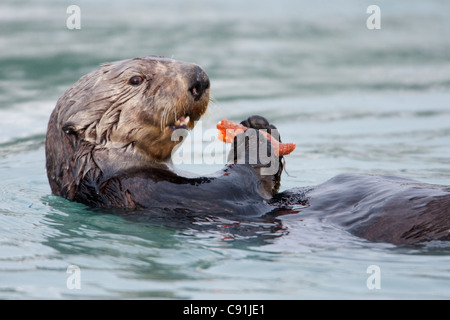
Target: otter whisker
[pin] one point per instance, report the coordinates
(165, 116)
(175, 114)
(168, 105)
(212, 100)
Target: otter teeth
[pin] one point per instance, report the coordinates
(183, 121)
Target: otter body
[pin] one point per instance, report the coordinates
(377, 208)
(111, 136)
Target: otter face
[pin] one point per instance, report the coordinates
(127, 109)
(136, 102)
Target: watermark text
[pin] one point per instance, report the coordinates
(374, 280)
(74, 280)
(373, 22)
(74, 19)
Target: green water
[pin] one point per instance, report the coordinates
(353, 99)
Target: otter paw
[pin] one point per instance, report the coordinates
(261, 123)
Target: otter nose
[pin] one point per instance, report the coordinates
(199, 83)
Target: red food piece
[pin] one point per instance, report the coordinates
(229, 129)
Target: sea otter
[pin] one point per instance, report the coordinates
(110, 139)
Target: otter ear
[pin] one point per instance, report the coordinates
(69, 128)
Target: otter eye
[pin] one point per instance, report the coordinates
(69, 128)
(135, 80)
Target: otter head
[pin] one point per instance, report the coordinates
(121, 115)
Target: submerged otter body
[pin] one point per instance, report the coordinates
(377, 208)
(111, 136)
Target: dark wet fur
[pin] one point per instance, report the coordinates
(377, 208)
